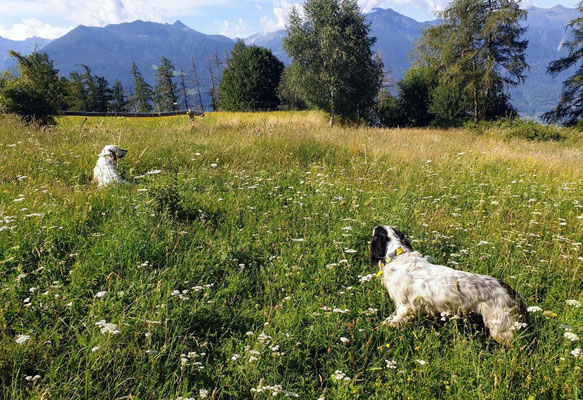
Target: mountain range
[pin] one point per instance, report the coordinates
(110, 51)
(22, 46)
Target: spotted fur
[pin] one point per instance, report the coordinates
(418, 287)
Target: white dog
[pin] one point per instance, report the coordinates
(418, 287)
(105, 171)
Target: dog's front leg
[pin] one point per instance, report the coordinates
(402, 313)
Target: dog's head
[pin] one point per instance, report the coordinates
(386, 240)
(113, 151)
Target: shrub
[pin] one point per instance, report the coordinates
(448, 106)
(37, 93)
(522, 129)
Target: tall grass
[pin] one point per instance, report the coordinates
(240, 270)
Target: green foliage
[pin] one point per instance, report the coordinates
(388, 111)
(290, 91)
(411, 106)
(87, 92)
(521, 129)
(142, 98)
(414, 96)
(251, 80)
(37, 93)
(330, 45)
(569, 111)
(119, 102)
(165, 98)
(477, 48)
(448, 106)
(166, 198)
(293, 200)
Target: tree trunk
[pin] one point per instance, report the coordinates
(196, 82)
(475, 105)
(332, 109)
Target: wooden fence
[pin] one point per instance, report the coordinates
(191, 114)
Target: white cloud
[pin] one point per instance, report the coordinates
(281, 10)
(92, 13)
(429, 5)
(99, 13)
(241, 30)
(32, 27)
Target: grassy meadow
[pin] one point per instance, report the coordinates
(235, 265)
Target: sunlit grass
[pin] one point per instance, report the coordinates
(231, 273)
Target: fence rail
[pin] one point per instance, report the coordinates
(133, 115)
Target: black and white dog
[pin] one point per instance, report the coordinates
(105, 171)
(418, 287)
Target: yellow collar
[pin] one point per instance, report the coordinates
(389, 258)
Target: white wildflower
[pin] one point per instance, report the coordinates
(391, 364)
(108, 327)
(370, 311)
(344, 339)
(533, 309)
(421, 362)
(101, 294)
(94, 349)
(203, 393)
(577, 353)
(574, 303)
(340, 376)
(518, 325)
(366, 278)
(571, 336)
(22, 338)
(263, 338)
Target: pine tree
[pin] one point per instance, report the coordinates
(91, 89)
(118, 102)
(77, 93)
(142, 99)
(331, 46)
(87, 92)
(102, 94)
(570, 108)
(250, 81)
(478, 48)
(165, 91)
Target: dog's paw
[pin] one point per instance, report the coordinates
(391, 321)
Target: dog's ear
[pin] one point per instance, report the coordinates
(113, 151)
(378, 245)
(403, 239)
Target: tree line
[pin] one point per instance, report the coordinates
(462, 70)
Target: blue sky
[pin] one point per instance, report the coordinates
(20, 19)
